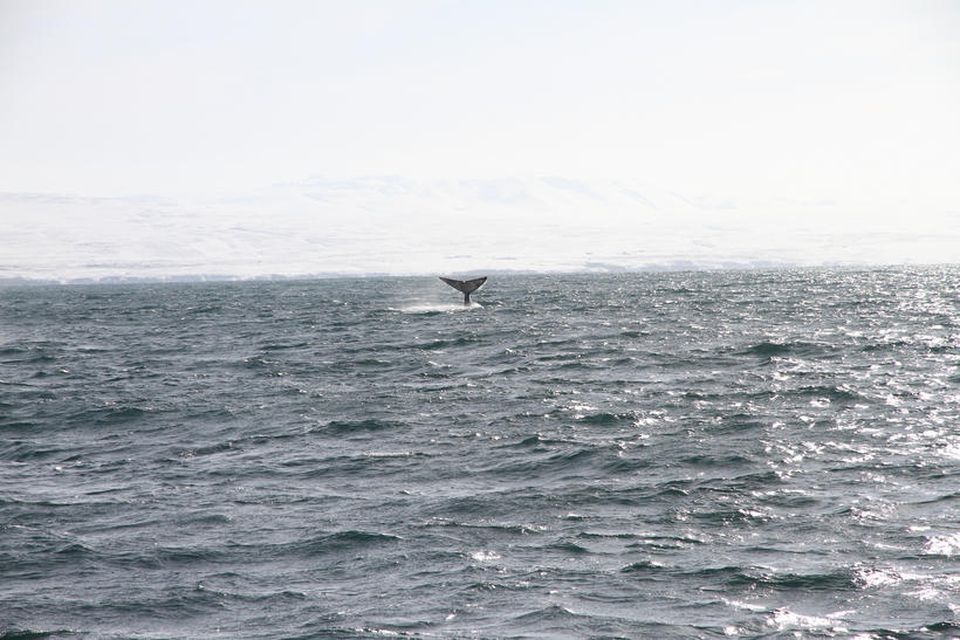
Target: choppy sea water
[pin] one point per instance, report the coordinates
(680, 455)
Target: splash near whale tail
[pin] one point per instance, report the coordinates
(465, 286)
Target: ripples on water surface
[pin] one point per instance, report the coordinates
(747, 454)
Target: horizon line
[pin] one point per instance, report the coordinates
(608, 270)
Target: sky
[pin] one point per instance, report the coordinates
(160, 138)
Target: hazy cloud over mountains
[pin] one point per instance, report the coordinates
(469, 136)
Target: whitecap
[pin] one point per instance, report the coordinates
(784, 619)
(870, 577)
(747, 606)
(945, 545)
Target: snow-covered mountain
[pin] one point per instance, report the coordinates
(399, 225)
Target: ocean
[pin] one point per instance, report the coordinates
(746, 454)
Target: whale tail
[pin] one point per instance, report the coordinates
(465, 286)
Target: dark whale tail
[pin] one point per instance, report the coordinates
(465, 286)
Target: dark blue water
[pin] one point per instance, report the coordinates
(684, 455)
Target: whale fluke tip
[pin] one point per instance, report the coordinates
(465, 286)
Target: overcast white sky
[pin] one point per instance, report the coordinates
(222, 136)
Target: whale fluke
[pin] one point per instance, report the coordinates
(465, 286)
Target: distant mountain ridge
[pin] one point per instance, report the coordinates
(401, 225)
